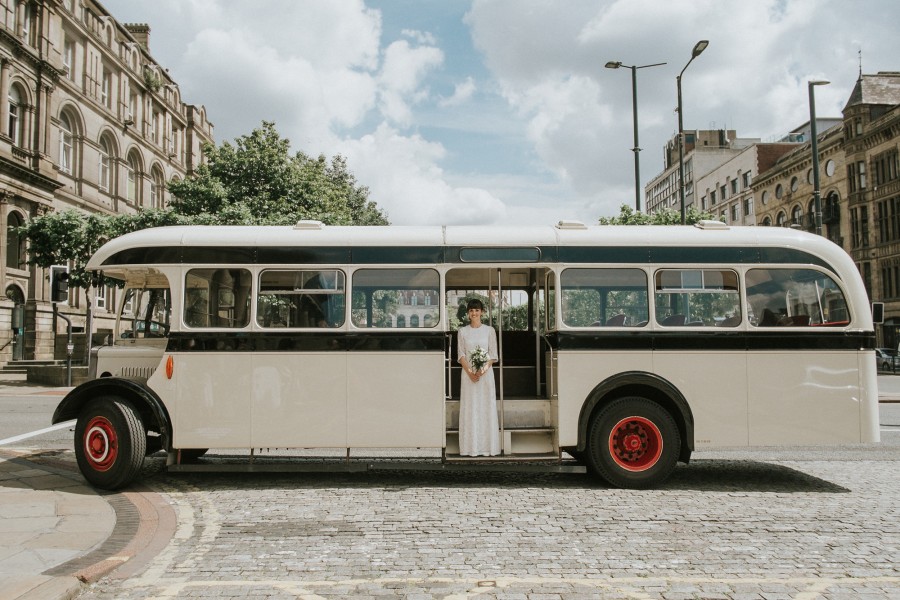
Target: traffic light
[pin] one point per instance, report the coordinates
(59, 284)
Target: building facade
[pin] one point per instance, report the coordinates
(90, 122)
(704, 150)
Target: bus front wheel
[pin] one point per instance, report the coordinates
(110, 442)
(633, 443)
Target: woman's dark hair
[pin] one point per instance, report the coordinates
(474, 303)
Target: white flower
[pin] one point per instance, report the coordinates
(479, 358)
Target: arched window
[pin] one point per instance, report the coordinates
(66, 144)
(14, 125)
(105, 177)
(781, 219)
(767, 222)
(132, 173)
(401, 321)
(14, 293)
(797, 215)
(157, 188)
(15, 243)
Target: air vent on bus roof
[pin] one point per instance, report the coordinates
(710, 224)
(309, 224)
(571, 225)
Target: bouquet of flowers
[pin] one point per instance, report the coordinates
(479, 358)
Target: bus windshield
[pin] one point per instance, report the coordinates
(145, 313)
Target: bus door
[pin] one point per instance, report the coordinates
(514, 307)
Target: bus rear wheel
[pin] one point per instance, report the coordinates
(110, 442)
(633, 443)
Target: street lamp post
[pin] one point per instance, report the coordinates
(699, 47)
(817, 197)
(637, 161)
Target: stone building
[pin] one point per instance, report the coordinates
(727, 190)
(91, 122)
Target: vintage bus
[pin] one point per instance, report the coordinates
(622, 349)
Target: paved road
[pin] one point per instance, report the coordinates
(763, 524)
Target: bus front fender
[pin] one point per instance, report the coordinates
(148, 404)
(647, 385)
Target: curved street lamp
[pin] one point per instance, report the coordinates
(637, 161)
(699, 47)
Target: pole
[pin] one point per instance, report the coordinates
(817, 196)
(680, 147)
(636, 149)
(69, 345)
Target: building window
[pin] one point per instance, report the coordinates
(722, 193)
(105, 84)
(100, 296)
(15, 243)
(765, 198)
(734, 186)
(105, 166)
(781, 219)
(735, 213)
(779, 191)
(861, 173)
(797, 216)
(748, 206)
(829, 168)
(66, 145)
(69, 59)
(795, 183)
(712, 198)
(14, 126)
(131, 173)
(746, 178)
(157, 186)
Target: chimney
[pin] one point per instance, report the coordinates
(141, 34)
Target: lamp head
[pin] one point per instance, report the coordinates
(613, 64)
(699, 47)
(819, 82)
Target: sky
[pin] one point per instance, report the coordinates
(487, 112)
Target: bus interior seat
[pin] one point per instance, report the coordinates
(673, 321)
(616, 321)
(768, 319)
(732, 321)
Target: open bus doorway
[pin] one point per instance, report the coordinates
(514, 305)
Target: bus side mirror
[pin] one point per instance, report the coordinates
(59, 284)
(878, 312)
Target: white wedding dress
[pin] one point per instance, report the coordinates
(479, 428)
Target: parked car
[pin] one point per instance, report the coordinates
(887, 359)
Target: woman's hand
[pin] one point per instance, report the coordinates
(473, 375)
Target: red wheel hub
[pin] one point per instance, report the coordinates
(101, 444)
(635, 444)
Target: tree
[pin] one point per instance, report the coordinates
(628, 216)
(256, 181)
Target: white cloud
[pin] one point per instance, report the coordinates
(461, 93)
(405, 179)
(400, 80)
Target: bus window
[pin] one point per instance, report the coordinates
(145, 313)
(697, 297)
(292, 298)
(604, 297)
(217, 298)
(401, 298)
(550, 286)
(794, 298)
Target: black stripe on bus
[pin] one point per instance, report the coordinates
(390, 341)
(313, 341)
(696, 341)
(392, 255)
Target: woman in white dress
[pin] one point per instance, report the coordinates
(479, 429)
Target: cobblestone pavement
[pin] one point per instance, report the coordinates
(737, 526)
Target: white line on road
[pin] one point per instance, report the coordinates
(31, 434)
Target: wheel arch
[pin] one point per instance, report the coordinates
(647, 385)
(146, 402)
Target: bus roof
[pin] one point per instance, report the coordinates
(314, 235)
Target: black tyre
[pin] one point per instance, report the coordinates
(633, 443)
(110, 442)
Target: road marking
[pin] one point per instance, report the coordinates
(32, 434)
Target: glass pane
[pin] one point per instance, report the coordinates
(217, 298)
(401, 298)
(697, 298)
(308, 298)
(794, 298)
(604, 297)
(145, 313)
